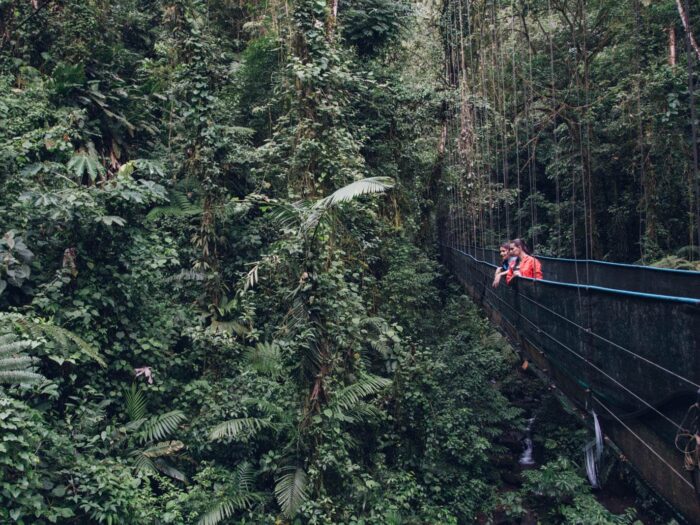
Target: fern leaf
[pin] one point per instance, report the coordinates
(135, 403)
(7, 339)
(346, 398)
(15, 363)
(159, 427)
(20, 377)
(239, 496)
(16, 368)
(62, 337)
(291, 491)
(235, 427)
(225, 509)
(15, 347)
(265, 359)
(180, 206)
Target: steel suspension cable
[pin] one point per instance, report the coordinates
(647, 445)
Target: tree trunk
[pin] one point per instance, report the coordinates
(671, 46)
(332, 18)
(686, 25)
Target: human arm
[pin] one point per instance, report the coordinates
(500, 272)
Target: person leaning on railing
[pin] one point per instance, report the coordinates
(502, 270)
(528, 265)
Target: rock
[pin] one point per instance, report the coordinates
(512, 477)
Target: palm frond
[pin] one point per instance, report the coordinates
(289, 216)
(346, 398)
(297, 314)
(266, 407)
(291, 490)
(251, 278)
(265, 359)
(226, 508)
(243, 477)
(151, 459)
(344, 194)
(356, 189)
(217, 326)
(143, 463)
(233, 428)
(364, 411)
(159, 427)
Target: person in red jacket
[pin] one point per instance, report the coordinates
(528, 266)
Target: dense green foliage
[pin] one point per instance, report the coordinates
(212, 303)
(572, 125)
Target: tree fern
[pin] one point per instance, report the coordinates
(291, 490)
(15, 366)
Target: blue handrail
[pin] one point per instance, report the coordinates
(673, 298)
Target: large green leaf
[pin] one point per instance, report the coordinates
(81, 163)
(291, 490)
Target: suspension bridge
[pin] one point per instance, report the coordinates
(621, 341)
(615, 340)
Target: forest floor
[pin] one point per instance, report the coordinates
(560, 428)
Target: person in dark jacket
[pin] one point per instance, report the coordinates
(502, 270)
